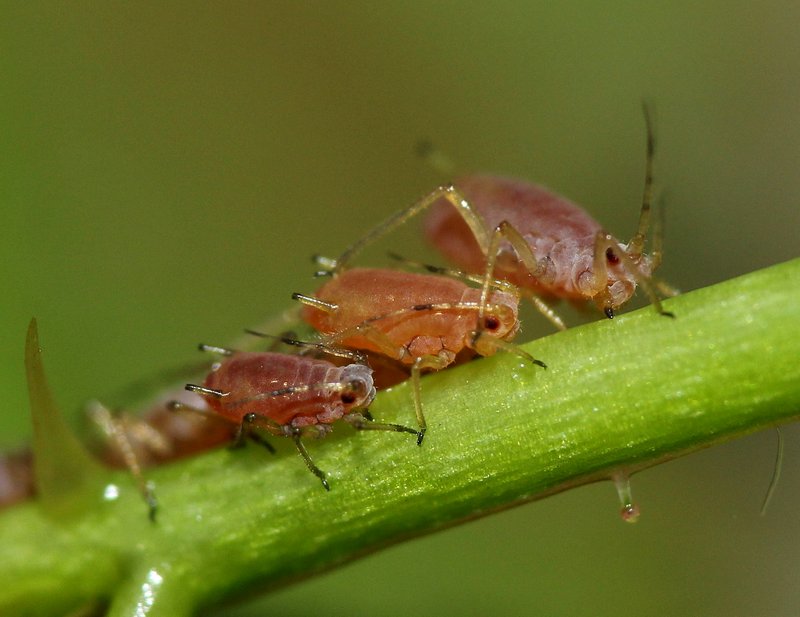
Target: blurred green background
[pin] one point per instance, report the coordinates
(167, 169)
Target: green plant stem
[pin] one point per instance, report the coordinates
(617, 396)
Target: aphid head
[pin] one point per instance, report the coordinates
(499, 323)
(623, 271)
(357, 388)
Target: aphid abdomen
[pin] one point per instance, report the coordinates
(389, 311)
(284, 389)
(556, 230)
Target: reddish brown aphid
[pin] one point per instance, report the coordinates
(17, 481)
(290, 395)
(539, 241)
(544, 244)
(420, 320)
(156, 437)
(160, 435)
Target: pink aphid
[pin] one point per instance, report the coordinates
(537, 240)
(290, 395)
(545, 243)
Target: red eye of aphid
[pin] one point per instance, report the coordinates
(348, 398)
(491, 323)
(611, 257)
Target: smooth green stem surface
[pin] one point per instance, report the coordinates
(617, 396)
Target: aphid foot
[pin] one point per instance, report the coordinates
(421, 435)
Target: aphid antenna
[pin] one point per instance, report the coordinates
(355, 356)
(458, 274)
(636, 245)
(334, 386)
(776, 472)
(224, 351)
(447, 192)
(363, 422)
(327, 307)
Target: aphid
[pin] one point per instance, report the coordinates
(539, 241)
(289, 395)
(423, 321)
(16, 477)
(158, 436)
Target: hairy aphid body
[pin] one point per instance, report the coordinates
(422, 321)
(535, 239)
(285, 391)
(289, 395)
(406, 315)
(574, 257)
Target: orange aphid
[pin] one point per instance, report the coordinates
(422, 321)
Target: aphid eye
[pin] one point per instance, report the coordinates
(491, 323)
(348, 398)
(611, 257)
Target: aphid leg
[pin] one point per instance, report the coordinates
(363, 422)
(436, 363)
(296, 434)
(241, 433)
(606, 249)
(457, 274)
(629, 511)
(245, 431)
(776, 472)
(506, 231)
(448, 192)
(657, 254)
(117, 430)
(516, 350)
(349, 354)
